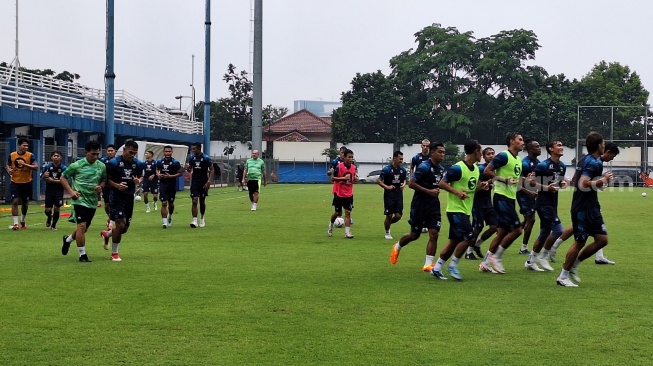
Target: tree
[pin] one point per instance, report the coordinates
(64, 76)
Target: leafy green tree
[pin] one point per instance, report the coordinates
(65, 75)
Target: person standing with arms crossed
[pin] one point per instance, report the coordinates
(168, 170)
(505, 170)
(124, 173)
(150, 181)
(425, 207)
(201, 167)
(393, 179)
(21, 165)
(53, 189)
(254, 173)
(89, 176)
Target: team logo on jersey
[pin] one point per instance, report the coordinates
(471, 184)
(517, 170)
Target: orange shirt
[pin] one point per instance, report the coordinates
(21, 174)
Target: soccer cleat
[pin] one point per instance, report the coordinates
(438, 274)
(603, 261)
(477, 250)
(15, 227)
(147, 209)
(156, 208)
(349, 236)
(524, 252)
(544, 264)
(532, 267)
(23, 226)
(497, 265)
(483, 268)
(394, 254)
(330, 231)
(470, 256)
(115, 257)
(202, 223)
(428, 268)
(84, 258)
(99, 204)
(105, 235)
(165, 226)
(455, 273)
(574, 274)
(389, 237)
(566, 282)
(48, 222)
(253, 208)
(193, 224)
(53, 228)
(65, 246)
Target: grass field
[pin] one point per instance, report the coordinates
(269, 287)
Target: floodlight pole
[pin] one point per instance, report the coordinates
(207, 80)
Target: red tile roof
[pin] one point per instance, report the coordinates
(302, 121)
(293, 136)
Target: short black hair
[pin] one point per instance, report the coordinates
(132, 144)
(111, 145)
(511, 136)
(197, 145)
(56, 152)
(471, 146)
(592, 142)
(22, 140)
(397, 153)
(611, 147)
(92, 145)
(434, 145)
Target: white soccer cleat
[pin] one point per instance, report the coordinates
(566, 282)
(193, 224)
(532, 267)
(388, 236)
(574, 275)
(544, 264)
(497, 265)
(603, 261)
(147, 209)
(202, 223)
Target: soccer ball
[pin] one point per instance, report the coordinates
(340, 222)
(643, 194)
(137, 198)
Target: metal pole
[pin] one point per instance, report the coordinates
(192, 87)
(207, 80)
(109, 77)
(257, 102)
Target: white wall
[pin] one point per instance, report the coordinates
(300, 151)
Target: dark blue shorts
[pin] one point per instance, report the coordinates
(343, 202)
(167, 192)
(460, 228)
(586, 224)
(21, 190)
(482, 216)
(121, 206)
(505, 209)
(393, 204)
(548, 217)
(53, 200)
(197, 190)
(82, 214)
(421, 217)
(526, 205)
(150, 186)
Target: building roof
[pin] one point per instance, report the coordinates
(293, 136)
(301, 121)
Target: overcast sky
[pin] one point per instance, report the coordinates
(311, 48)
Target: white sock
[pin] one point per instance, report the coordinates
(114, 248)
(486, 259)
(545, 254)
(82, 251)
(398, 247)
(478, 243)
(147, 205)
(499, 252)
(15, 220)
(330, 225)
(599, 254)
(470, 250)
(109, 233)
(347, 228)
(556, 244)
(531, 258)
(112, 223)
(195, 219)
(165, 221)
(438, 264)
(69, 239)
(429, 260)
(564, 274)
(22, 218)
(454, 261)
(524, 246)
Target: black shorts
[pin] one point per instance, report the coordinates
(482, 216)
(548, 217)
(393, 204)
(167, 192)
(505, 209)
(51, 200)
(121, 206)
(526, 205)
(460, 228)
(425, 217)
(21, 190)
(82, 214)
(252, 186)
(586, 224)
(150, 186)
(197, 190)
(343, 202)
